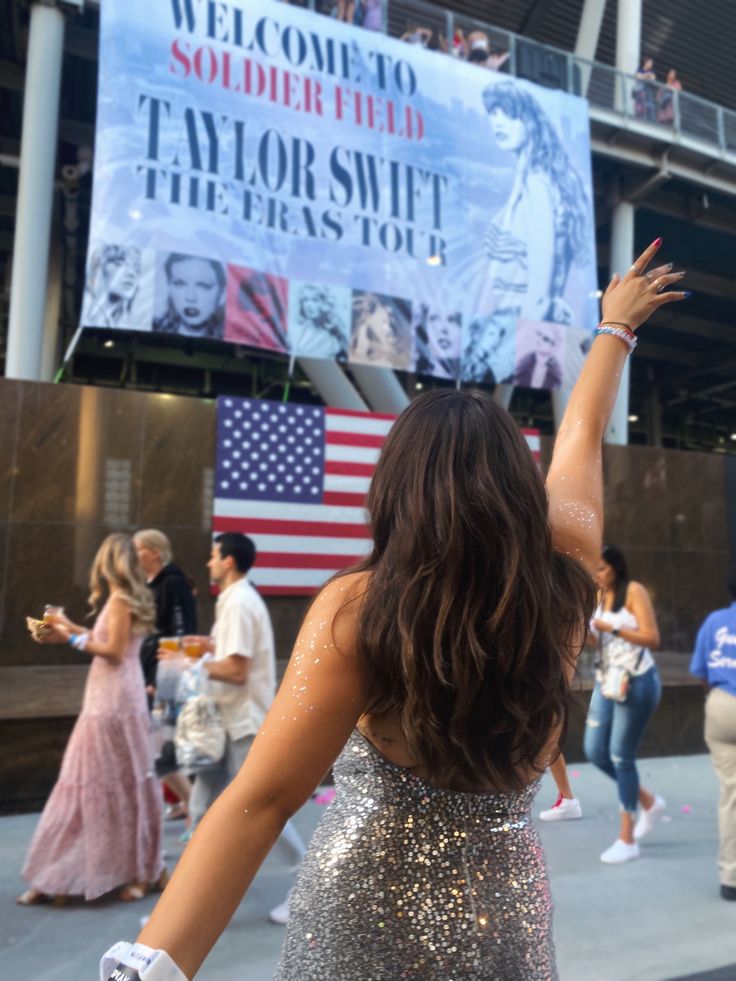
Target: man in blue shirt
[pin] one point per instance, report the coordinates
(714, 662)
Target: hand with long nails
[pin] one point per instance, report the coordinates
(631, 299)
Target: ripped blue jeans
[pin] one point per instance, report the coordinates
(613, 731)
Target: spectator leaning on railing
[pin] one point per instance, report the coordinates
(645, 92)
(666, 97)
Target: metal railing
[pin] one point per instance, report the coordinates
(674, 115)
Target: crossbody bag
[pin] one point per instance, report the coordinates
(616, 681)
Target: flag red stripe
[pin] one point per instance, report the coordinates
(349, 469)
(353, 439)
(343, 499)
(269, 526)
(357, 412)
(298, 560)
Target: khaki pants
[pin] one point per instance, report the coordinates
(720, 735)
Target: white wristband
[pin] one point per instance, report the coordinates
(80, 641)
(137, 962)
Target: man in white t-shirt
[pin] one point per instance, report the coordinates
(242, 673)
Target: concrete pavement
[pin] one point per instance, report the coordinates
(656, 919)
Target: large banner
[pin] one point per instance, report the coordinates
(274, 178)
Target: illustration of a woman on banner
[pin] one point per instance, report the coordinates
(321, 321)
(112, 286)
(543, 228)
(381, 331)
(437, 333)
(192, 293)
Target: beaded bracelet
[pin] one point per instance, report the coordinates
(617, 323)
(622, 333)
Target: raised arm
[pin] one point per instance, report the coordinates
(314, 712)
(575, 478)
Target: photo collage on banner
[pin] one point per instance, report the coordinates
(258, 181)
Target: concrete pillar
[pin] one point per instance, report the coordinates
(35, 193)
(330, 381)
(628, 49)
(589, 29)
(560, 398)
(502, 394)
(52, 315)
(628, 36)
(586, 44)
(381, 388)
(622, 255)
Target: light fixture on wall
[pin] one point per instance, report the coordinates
(633, 417)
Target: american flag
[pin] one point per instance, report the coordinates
(294, 478)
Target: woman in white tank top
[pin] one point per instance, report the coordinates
(625, 628)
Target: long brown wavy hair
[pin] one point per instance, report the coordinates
(469, 620)
(116, 567)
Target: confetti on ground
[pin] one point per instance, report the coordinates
(326, 797)
(574, 774)
(686, 808)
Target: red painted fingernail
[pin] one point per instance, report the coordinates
(657, 241)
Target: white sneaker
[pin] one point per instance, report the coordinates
(647, 819)
(280, 915)
(564, 809)
(620, 851)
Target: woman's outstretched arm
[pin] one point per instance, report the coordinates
(315, 710)
(575, 479)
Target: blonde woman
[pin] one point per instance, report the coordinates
(101, 827)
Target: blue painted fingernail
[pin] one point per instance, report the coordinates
(687, 294)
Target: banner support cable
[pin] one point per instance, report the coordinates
(287, 386)
(68, 354)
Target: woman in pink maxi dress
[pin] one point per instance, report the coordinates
(101, 827)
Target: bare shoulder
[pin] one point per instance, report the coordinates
(344, 590)
(636, 591)
(118, 603)
(338, 607)
(638, 600)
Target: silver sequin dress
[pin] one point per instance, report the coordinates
(405, 880)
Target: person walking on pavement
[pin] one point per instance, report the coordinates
(241, 667)
(714, 662)
(176, 615)
(625, 627)
(567, 806)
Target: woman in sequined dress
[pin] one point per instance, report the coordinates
(435, 678)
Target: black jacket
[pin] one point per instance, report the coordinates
(176, 614)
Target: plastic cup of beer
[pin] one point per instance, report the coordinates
(170, 643)
(49, 612)
(193, 648)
